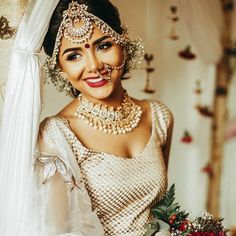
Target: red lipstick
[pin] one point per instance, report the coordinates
(97, 83)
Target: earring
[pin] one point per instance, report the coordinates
(57, 77)
(134, 52)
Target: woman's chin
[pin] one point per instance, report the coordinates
(98, 93)
(103, 92)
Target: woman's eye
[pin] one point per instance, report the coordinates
(104, 46)
(73, 56)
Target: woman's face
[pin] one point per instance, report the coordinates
(84, 62)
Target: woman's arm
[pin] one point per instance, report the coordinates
(62, 201)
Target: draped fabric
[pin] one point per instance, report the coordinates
(21, 120)
(204, 23)
(61, 200)
(29, 206)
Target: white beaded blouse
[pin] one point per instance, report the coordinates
(115, 193)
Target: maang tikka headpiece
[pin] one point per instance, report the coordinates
(77, 13)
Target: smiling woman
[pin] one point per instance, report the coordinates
(101, 162)
(98, 63)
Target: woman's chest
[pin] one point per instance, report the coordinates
(124, 145)
(116, 172)
(111, 179)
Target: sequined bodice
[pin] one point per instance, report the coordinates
(122, 190)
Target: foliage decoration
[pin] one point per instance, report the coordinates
(168, 215)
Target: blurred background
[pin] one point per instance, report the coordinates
(190, 65)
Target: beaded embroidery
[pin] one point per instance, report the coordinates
(52, 165)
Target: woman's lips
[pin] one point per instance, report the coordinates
(96, 82)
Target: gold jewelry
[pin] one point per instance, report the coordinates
(78, 13)
(109, 69)
(121, 120)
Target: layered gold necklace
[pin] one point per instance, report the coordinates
(120, 120)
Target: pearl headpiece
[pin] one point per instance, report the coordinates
(77, 13)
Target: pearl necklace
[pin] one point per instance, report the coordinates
(121, 120)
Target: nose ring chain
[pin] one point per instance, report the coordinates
(109, 69)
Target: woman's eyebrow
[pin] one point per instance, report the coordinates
(72, 50)
(97, 41)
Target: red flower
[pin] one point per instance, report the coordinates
(187, 137)
(173, 217)
(183, 226)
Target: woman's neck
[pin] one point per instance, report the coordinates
(114, 100)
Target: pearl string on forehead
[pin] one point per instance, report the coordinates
(77, 13)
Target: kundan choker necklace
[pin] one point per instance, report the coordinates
(121, 120)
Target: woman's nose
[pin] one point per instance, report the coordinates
(93, 64)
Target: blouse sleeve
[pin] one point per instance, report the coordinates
(63, 202)
(165, 122)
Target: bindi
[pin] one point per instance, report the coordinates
(87, 45)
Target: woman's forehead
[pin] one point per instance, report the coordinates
(96, 34)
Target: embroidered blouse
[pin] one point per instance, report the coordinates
(98, 193)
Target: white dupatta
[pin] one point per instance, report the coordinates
(21, 213)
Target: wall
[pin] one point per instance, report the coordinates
(174, 81)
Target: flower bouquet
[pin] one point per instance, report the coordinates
(168, 219)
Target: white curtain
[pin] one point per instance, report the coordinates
(204, 23)
(21, 119)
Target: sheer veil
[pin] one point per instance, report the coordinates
(21, 121)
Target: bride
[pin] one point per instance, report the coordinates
(101, 162)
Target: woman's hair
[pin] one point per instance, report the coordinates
(103, 9)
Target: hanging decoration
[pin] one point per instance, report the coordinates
(207, 169)
(168, 215)
(204, 110)
(6, 32)
(231, 49)
(174, 19)
(187, 138)
(148, 58)
(187, 54)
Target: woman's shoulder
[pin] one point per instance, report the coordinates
(157, 106)
(51, 120)
(161, 107)
(51, 124)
